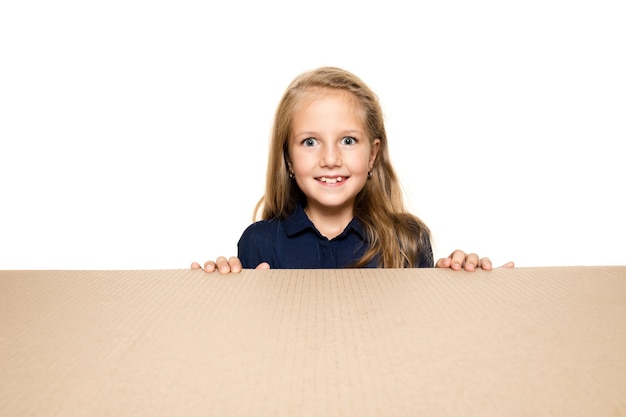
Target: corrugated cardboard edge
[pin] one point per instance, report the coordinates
(526, 341)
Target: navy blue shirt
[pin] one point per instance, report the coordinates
(295, 243)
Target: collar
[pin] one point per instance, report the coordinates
(298, 222)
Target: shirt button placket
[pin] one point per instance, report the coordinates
(328, 255)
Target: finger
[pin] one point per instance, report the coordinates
(195, 265)
(263, 265)
(485, 263)
(509, 264)
(458, 259)
(222, 266)
(209, 266)
(471, 262)
(234, 264)
(443, 263)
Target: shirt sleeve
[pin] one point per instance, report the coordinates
(253, 246)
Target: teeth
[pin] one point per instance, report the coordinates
(331, 180)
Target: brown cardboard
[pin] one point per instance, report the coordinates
(510, 342)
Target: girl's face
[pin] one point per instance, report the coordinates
(329, 151)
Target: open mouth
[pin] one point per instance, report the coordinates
(331, 180)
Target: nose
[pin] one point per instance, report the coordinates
(331, 156)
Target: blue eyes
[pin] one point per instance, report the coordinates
(347, 140)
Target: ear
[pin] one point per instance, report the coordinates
(289, 166)
(374, 152)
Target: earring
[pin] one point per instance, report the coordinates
(369, 174)
(291, 174)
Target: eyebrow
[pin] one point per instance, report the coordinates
(343, 132)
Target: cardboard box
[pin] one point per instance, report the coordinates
(432, 342)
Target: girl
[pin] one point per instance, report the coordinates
(332, 197)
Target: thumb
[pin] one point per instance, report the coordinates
(263, 265)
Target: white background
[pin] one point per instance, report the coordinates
(134, 133)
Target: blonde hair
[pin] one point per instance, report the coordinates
(396, 236)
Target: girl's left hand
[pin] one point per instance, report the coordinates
(459, 260)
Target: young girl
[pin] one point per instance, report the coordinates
(332, 198)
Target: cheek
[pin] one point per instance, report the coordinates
(302, 162)
(361, 165)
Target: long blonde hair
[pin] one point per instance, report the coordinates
(397, 236)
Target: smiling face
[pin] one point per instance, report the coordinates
(329, 152)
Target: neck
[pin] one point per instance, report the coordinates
(329, 221)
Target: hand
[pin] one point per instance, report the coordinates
(225, 266)
(459, 260)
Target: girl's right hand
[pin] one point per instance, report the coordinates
(225, 266)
